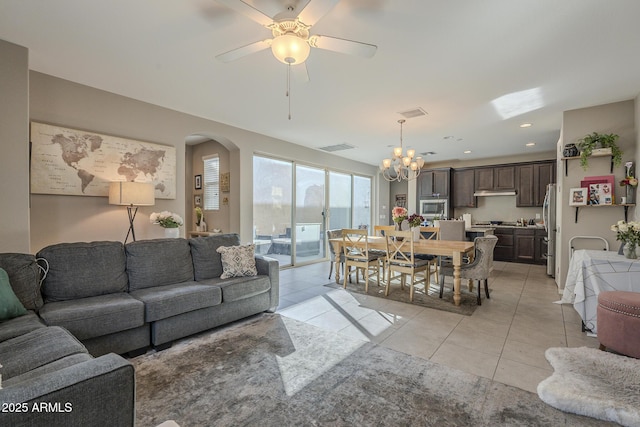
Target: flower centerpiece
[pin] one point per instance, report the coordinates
(629, 182)
(415, 220)
(629, 234)
(399, 214)
(169, 221)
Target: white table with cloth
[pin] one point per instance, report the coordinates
(591, 272)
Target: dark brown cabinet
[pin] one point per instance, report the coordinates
(541, 247)
(495, 178)
(504, 247)
(434, 183)
(463, 185)
(531, 183)
(524, 245)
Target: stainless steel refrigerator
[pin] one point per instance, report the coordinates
(549, 217)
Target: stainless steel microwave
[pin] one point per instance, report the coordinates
(432, 208)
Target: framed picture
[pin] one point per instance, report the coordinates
(224, 182)
(401, 200)
(198, 182)
(600, 194)
(578, 196)
(197, 200)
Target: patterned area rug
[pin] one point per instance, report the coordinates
(275, 371)
(431, 299)
(595, 383)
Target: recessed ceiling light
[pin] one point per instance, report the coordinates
(530, 144)
(467, 152)
(525, 125)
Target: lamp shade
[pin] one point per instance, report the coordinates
(290, 49)
(132, 193)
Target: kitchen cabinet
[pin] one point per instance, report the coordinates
(504, 247)
(524, 245)
(531, 183)
(463, 185)
(541, 247)
(495, 178)
(434, 183)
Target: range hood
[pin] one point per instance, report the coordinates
(494, 193)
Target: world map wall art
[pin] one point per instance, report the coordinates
(79, 163)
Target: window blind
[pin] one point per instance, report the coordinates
(211, 182)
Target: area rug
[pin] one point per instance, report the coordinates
(431, 299)
(595, 383)
(274, 371)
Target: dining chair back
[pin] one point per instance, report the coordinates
(355, 248)
(380, 230)
(430, 233)
(479, 269)
(452, 230)
(401, 259)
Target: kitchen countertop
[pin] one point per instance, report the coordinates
(540, 226)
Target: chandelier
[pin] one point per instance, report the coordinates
(401, 167)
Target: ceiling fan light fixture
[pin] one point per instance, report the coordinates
(290, 49)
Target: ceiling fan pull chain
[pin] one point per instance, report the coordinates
(289, 87)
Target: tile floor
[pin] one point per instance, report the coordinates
(504, 340)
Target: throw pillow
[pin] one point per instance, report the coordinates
(238, 261)
(10, 305)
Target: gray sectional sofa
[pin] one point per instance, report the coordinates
(101, 299)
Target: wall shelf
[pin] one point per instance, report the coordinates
(566, 159)
(625, 206)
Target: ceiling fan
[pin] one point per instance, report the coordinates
(292, 42)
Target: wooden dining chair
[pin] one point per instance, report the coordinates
(334, 234)
(479, 269)
(380, 230)
(401, 259)
(355, 247)
(430, 233)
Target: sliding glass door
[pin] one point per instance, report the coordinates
(295, 203)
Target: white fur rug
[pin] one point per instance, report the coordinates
(594, 383)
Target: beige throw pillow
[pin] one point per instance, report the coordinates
(238, 261)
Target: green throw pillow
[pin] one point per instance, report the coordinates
(10, 305)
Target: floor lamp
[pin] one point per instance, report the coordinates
(131, 194)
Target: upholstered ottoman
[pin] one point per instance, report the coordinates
(619, 322)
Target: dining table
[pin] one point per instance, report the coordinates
(449, 248)
(591, 272)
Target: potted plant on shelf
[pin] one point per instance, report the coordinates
(590, 144)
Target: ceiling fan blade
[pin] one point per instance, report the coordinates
(240, 52)
(300, 72)
(248, 11)
(315, 10)
(349, 47)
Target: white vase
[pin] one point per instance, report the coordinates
(172, 233)
(416, 233)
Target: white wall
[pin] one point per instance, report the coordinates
(618, 118)
(68, 218)
(14, 145)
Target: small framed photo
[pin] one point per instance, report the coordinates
(600, 194)
(197, 200)
(198, 182)
(578, 196)
(224, 182)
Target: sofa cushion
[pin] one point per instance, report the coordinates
(19, 326)
(238, 261)
(161, 302)
(49, 367)
(35, 349)
(239, 288)
(81, 270)
(207, 263)
(24, 275)
(95, 316)
(158, 262)
(10, 305)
